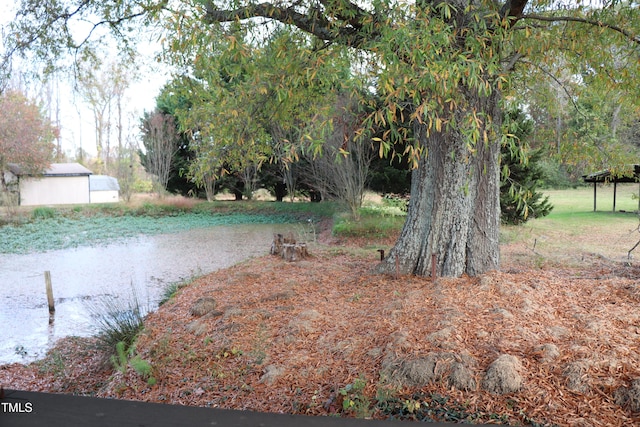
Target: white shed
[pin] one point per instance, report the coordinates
(61, 184)
(104, 189)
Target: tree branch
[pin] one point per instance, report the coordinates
(511, 63)
(359, 15)
(600, 24)
(549, 74)
(314, 22)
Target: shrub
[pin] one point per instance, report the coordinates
(396, 201)
(520, 199)
(555, 175)
(43, 212)
(142, 186)
(354, 399)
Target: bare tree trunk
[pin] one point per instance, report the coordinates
(209, 184)
(249, 176)
(615, 119)
(342, 171)
(290, 180)
(107, 146)
(159, 138)
(3, 168)
(454, 211)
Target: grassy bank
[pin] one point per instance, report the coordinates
(571, 230)
(168, 206)
(571, 220)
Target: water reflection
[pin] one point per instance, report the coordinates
(83, 276)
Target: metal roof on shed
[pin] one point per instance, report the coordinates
(67, 169)
(56, 169)
(631, 173)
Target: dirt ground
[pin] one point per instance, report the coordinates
(326, 335)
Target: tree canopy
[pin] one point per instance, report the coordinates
(26, 135)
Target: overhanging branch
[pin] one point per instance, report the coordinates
(353, 14)
(630, 36)
(314, 22)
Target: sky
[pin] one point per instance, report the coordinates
(75, 118)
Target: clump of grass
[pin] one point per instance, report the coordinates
(118, 322)
(172, 289)
(372, 223)
(43, 212)
(158, 210)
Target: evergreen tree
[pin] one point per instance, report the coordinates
(521, 174)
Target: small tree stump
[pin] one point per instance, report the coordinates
(278, 241)
(294, 251)
(287, 248)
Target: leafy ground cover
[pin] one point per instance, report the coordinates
(62, 232)
(327, 336)
(43, 229)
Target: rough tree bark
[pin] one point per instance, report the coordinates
(454, 210)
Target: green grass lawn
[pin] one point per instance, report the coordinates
(570, 231)
(573, 208)
(581, 199)
(573, 229)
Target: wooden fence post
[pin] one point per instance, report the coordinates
(47, 281)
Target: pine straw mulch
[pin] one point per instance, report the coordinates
(287, 337)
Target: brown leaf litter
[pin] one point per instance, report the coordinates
(269, 335)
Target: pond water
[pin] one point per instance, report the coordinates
(88, 277)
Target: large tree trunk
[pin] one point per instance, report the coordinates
(454, 211)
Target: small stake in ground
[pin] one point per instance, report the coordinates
(47, 281)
